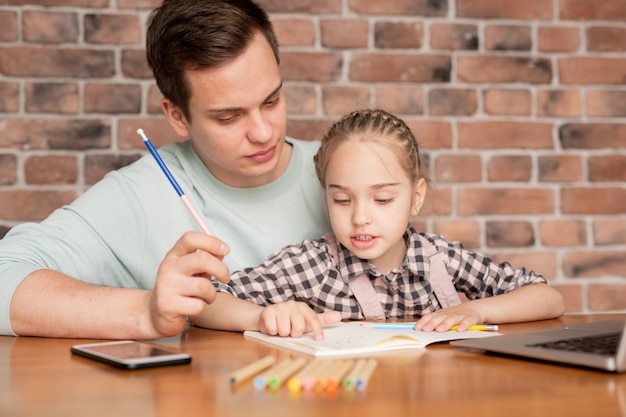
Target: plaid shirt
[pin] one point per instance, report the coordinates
(307, 272)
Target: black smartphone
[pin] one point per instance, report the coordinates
(130, 354)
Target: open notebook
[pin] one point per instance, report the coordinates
(599, 345)
(352, 339)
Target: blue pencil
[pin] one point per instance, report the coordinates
(172, 180)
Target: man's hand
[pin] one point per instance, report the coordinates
(183, 284)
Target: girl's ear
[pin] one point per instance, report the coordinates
(419, 197)
(175, 117)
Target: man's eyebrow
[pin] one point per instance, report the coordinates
(234, 109)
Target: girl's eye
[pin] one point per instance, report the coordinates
(384, 200)
(341, 201)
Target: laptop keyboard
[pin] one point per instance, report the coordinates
(598, 344)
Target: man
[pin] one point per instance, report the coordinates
(122, 261)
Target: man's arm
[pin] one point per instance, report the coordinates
(48, 303)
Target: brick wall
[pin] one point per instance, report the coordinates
(519, 106)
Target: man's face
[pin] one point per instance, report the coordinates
(238, 118)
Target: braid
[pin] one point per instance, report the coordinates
(373, 125)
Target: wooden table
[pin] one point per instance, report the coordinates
(39, 377)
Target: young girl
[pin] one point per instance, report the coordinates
(375, 265)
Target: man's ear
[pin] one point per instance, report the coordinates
(175, 117)
(419, 197)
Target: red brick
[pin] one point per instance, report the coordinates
(8, 26)
(596, 200)
(609, 231)
(594, 264)
(307, 129)
(431, 134)
(504, 69)
(401, 100)
(592, 10)
(606, 39)
(158, 130)
(50, 27)
(135, 64)
(294, 32)
(32, 205)
(51, 169)
(8, 169)
(607, 297)
(516, 168)
(344, 33)
(507, 38)
(112, 98)
(507, 102)
(154, 100)
(300, 99)
(572, 296)
(560, 168)
(563, 232)
(559, 103)
(9, 97)
(602, 103)
(505, 9)
(544, 263)
(486, 201)
(592, 135)
(56, 134)
(400, 7)
(509, 234)
(305, 66)
(61, 3)
(458, 168)
(56, 62)
(340, 100)
(113, 29)
(558, 38)
(138, 4)
(389, 35)
(438, 202)
(464, 231)
(452, 102)
(592, 70)
(301, 6)
(52, 98)
(400, 68)
(502, 135)
(608, 168)
(454, 36)
(97, 166)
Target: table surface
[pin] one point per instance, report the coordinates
(40, 376)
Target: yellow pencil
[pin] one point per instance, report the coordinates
(294, 384)
(251, 369)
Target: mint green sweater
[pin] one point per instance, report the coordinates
(117, 233)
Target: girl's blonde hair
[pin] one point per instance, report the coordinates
(375, 126)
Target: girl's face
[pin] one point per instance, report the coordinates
(370, 199)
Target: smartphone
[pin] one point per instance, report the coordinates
(130, 354)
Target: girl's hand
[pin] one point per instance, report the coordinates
(442, 320)
(294, 318)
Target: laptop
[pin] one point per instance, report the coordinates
(599, 345)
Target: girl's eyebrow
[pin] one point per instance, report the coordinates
(374, 186)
